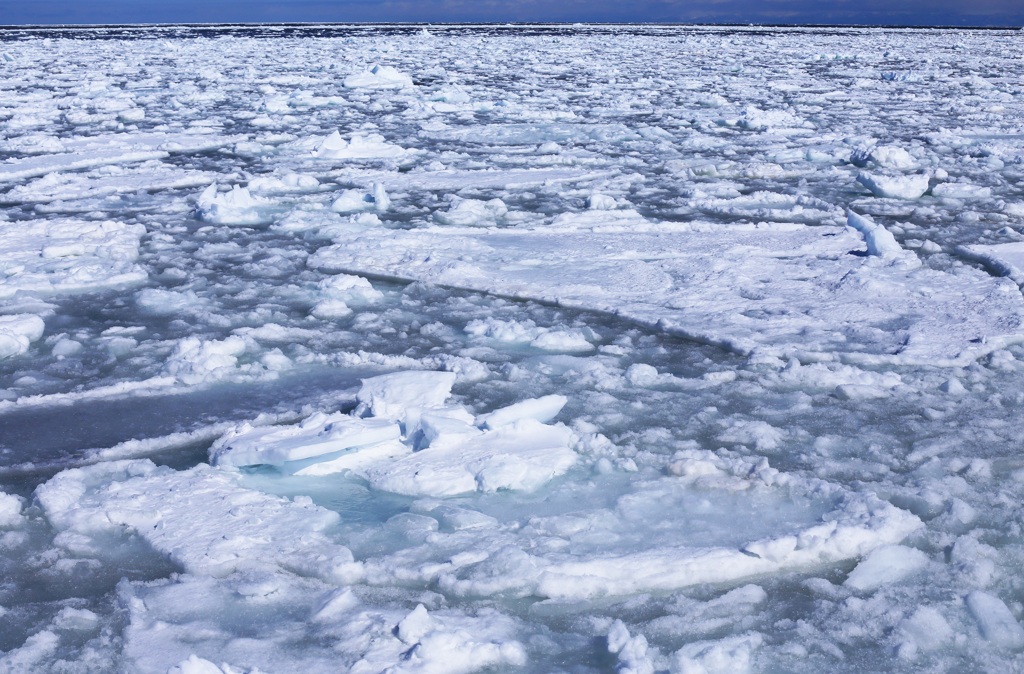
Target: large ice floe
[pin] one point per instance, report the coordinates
(502, 348)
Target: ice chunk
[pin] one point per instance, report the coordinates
(340, 293)
(170, 619)
(355, 460)
(360, 146)
(880, 241)
(414, 626)
(521, 456)
(353, 201)
(562, 341)
(783, 121)
(17, 332)
(504, 331)
(995, 621)
(450, 94)
(893, 157)
(160, 302)
(630, 651)
(894, 186)
(886, 565)
(445, 424)
(334, 604)
(287, 183)
(860, 392)
(195, 361)
(197, 665)
(927, 629)
(379, 77)
(317, 436)
(540, 409)
(236, 207)
(32, 655)
(354, 290)
(473, 213)
(601, 202)
(391, 395)
(642, 374)
(953, 386)
(731, 655)
(331, 309)
(107, 181)
(961, 191)
(900, 76)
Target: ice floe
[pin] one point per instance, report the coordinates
(898, 186)
(718, 283)
(379, 77)
(359, 146)
(50, 257)
(17, 332)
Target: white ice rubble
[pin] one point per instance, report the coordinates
(359, 146)
(379, 77)
(404, 438)
(51, 257)
(234, 207)
(17, 332)
(897, 186)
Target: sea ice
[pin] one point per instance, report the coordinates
(721, 284)
(17, 333)
(894, 186)
(539, 409)
(235, 207)
(353, 201)
(879, 240)
(379, 77)
(196, 361)
(393, 396)
(60, 256)
(647, 342)
(995, 621)
(885, 565)
(893, 157)
(285, 184)
(316, 436)
(359, 146)
(472, 213)
(521, 456)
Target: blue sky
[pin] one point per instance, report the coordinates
(914, 12)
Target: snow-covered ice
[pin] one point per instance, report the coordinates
(511, 348)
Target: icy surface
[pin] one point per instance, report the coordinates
(532, 348)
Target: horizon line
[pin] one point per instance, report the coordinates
(492, 24)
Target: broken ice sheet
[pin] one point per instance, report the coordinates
(835, 490)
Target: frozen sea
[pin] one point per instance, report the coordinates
(518, 349)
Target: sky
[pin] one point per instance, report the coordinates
(882, 12)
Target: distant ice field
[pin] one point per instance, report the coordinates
(511, 348)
